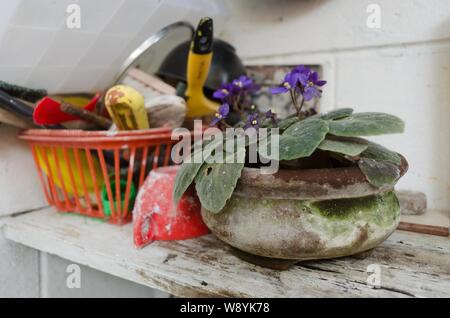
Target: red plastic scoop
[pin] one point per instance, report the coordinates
(48, 111)
(156, 217)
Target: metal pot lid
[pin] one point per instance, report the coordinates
(149, 55)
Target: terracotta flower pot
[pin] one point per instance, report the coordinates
(306, 214)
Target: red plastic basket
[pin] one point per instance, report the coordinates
(95, 173)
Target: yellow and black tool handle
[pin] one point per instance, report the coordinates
(198, 64)
(200, 56)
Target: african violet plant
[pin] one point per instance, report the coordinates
(337, 133)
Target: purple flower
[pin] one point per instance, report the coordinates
(224, 92)
(302, 80)
(270, 115)
(222, 113)
(290, 81)
(236, 91)
(311, 84)
(246, 84)
(252, 121)
(302, 69)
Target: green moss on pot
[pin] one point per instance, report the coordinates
(380, 209)
(296, 229)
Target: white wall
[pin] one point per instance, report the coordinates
(38, 50)
(20, 192)
(402, 68)
(19, 183)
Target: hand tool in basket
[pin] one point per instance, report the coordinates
(24, 93)
(48, 111)
(99, 121)
(11, 119)
(199, 61)
(16, 106)
(17, 112)
(126, 107)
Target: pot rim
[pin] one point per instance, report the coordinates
(310, 184)
(321, 176)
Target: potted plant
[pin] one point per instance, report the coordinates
(332, 194)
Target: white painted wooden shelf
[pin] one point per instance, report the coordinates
(412, 265)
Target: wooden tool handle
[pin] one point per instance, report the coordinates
(86, 115)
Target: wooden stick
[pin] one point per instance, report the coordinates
(423, 228)
(100, 121)
(12, 119)
(151, 81)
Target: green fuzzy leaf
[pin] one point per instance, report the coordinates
(285, 123)
(185, 176)
(237, 154)
(366, 124)
(337, 114)
(379, 173)
(380, 165)
(264, 148)
(266, 123)
(215, 183)
(302, 138)
(189, 169)
(344, 145)
(380, 153)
